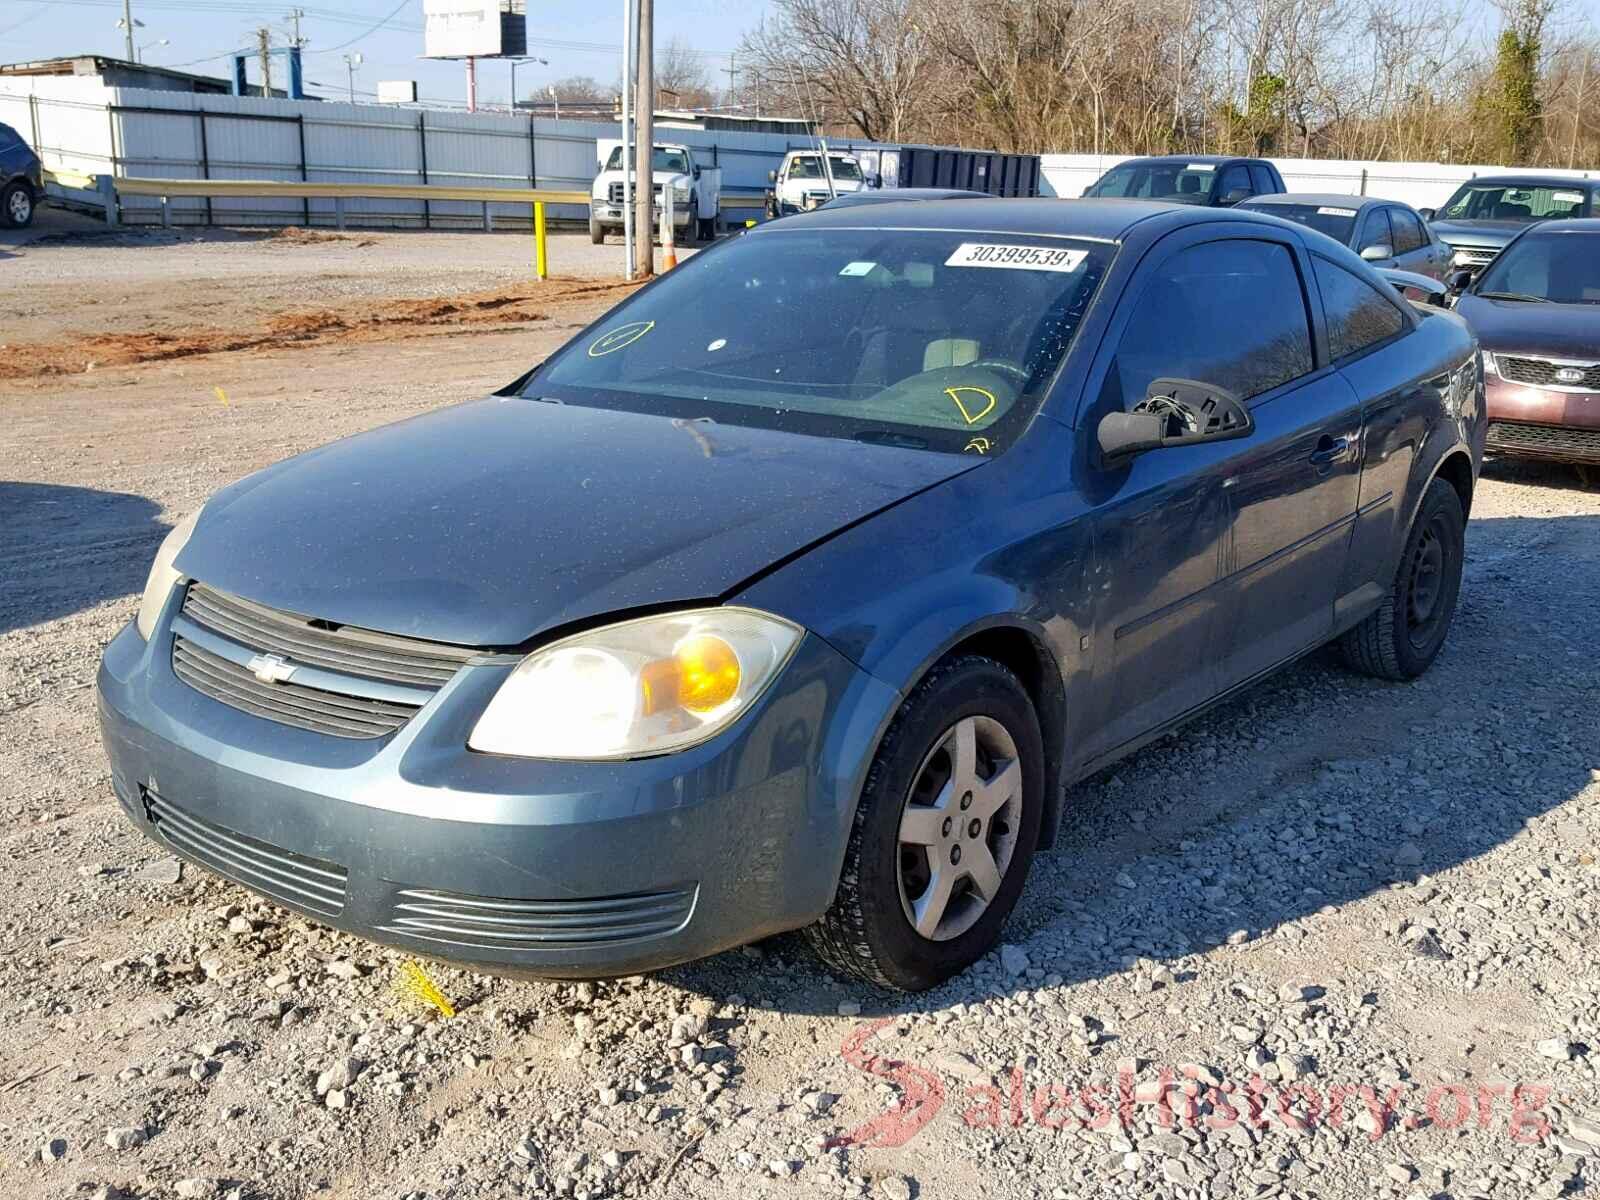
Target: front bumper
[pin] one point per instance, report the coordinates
(611, 214)
(511, 865)
(1534, 422)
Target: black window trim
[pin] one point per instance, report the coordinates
(1408, 319)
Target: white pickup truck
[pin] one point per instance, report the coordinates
(802, 182)
(696, 192)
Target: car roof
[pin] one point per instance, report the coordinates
(1528, 180)
(1190, 158)
(1328, 199)
(1103, 219)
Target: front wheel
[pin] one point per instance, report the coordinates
(597, 231)
(943, 833)
(1402, 638)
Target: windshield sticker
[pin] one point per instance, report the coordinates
(858, 268)
(1567, 197)
(716, 345)
(1016, 258)
(982, 400)
(619, 338)
(1336, 212)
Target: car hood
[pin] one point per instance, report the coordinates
(1477, 233)
(489, 523)
(1554, 330)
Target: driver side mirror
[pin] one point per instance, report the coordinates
(772, 177)
(1378, 252)
(1427, 214)
(1174, 412)
(1236, 196)
(695, 170)
(1458, 281)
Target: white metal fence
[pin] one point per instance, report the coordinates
(1421, 185)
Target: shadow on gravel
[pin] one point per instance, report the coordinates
(69, 548)
(1317, 788)
(1565, 477)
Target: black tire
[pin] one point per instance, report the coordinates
(867, 932)
(597, 232)
(1402, 638)
(17, 205)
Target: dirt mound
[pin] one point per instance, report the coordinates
(392, 319)
(297, 235)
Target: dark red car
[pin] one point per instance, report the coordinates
(1536, 311)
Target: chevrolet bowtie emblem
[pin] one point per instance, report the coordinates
(271, 668)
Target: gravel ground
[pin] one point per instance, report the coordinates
(1346, 928)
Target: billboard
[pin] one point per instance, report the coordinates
(397, 91)
(474, 28)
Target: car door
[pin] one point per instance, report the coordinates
(1413, 249)
(1166, 522)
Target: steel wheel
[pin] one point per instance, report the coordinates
(1425, 584)
(958, 831)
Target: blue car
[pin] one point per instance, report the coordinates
(794, 591)
(21, 179)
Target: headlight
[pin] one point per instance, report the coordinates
(641, 687)
(680, 195)
(163, 577)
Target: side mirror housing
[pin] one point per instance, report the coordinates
(1174, 412)
(1458, 281)
(695, 170)
(1427, 214)
(772, 177)
(1380, 252)
(1235, 196)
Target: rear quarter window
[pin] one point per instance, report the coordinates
(1359, 315)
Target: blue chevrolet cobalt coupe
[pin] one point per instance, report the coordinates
(794, 591)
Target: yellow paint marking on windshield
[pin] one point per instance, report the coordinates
(619, 338)
(970, 417)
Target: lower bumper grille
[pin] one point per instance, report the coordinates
(295, 879)
(308, 708)
(1553, 440)
(480, 922)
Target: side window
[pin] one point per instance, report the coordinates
(1261, 179)
(1230, 313)
(1376, 231)
(1358, 314)
(1408, 235)
(1234, 179)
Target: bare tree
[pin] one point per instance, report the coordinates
(682, 80)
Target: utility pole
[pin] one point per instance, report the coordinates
(644, 111)
(264, 51)
(730, 72)
(630, 32)
(127, 27)
(295, 15)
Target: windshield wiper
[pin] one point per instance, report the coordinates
(1523, 296)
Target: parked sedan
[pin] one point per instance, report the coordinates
(1215, 180)
(1384, 232)
(1487, 212)
(1536, 310)
(21, 179)
(794, 590)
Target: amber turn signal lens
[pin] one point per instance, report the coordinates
(701, 675)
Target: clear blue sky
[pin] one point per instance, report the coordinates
(578, 37)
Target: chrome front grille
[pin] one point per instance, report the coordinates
(331, 679)
(616, 193)
(1476, 256)
(1543, 372)
(486, 923)
(297, 880)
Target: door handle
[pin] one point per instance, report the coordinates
(1329, 449)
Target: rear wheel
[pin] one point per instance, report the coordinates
(943, 834)
(1402, 638)
(16, 205)
(597, 232)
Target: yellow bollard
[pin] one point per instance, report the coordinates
(541, 262)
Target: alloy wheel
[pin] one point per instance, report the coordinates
(959, 827)
(20, 207)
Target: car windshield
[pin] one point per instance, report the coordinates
(934, 340)
(1157, 181)
(1513, 202)
(809, 166)
(1335, 220)
(1562, 267)
(665, 158)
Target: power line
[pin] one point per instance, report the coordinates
(38, 12)
(366, 32)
